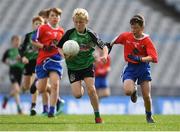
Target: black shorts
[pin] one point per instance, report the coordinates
(78, 75)
(29, 68)
(15, 75)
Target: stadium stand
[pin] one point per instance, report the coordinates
(175, 3)
(108, 18)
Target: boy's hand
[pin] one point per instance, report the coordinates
(52, 45)
(67, 57)
(25, 60)
(135, 58)
(47, 47)
(103, 59)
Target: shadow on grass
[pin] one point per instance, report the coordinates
(45, 123)
(67, 123)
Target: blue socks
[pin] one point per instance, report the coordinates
(148, 113)
(52, 109)
(45, 108)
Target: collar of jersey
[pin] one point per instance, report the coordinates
(82, 34)
(52, 26)
(144, 36)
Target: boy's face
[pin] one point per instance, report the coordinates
(53, 18)
(16, 42)
(137, 30)
(80, 24)
(36, 24)
(45, 19)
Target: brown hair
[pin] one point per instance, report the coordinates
(43, 13)
(37, 18)
(139, 19)
(56, 10)
(15, 37)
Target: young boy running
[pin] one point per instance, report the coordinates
(12, 59)
(49, 56)
(80, 67)
(139, 51)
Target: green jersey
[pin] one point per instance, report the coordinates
(11, 55)
(27, 49)
(87, 42)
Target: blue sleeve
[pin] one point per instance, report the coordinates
(35, 35)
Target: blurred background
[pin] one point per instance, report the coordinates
(108, 18)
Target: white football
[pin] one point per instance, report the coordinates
(71, 48)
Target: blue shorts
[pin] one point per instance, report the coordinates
(101, 82)
(50, 64)
(137, 72)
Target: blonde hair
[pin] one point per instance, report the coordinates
(81, 13)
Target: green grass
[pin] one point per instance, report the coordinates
(86, 123)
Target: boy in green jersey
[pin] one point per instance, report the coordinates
(28, 55)
(12, 59)
(80, 67)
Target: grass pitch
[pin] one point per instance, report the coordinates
(86, 123)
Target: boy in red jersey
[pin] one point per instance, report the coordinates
(139, 50)
(45, 95)
(49, 56)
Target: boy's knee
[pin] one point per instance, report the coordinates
(54, 86)
(41, 90)
(91, 91)
(17, 91)
(25, 88)
(78, 96)
(128, 92)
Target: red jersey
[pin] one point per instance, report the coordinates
(144, 46)
(47, 35)
(102, 69)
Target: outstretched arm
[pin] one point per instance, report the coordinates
(105, 54)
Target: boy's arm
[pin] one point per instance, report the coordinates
(39, 45)
(65, 38)
(102, 45)
(23, 46)
(5, 56)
